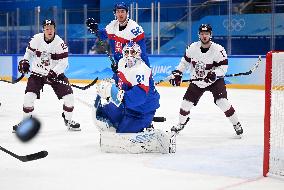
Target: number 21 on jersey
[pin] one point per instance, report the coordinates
(140, 78)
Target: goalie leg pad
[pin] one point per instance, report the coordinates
(155, 141)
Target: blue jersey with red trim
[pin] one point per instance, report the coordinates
(118, 39)
(140, 92)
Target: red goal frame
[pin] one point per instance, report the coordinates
(267, 113)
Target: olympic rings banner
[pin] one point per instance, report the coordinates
(83, 68)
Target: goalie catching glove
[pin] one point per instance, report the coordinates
(175, 78)
(107, 89)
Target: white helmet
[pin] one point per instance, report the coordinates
(131, 53)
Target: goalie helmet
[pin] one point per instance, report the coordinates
(120, 5)
(131, 53)
(48, 22)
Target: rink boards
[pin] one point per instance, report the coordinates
(84, 68)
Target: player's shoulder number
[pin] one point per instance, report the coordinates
(64, 46)
(136, 31)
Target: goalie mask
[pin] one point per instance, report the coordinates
(131, 54)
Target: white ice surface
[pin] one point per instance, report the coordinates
(208, 156)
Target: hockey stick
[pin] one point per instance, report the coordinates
(83, 87)
(95, 31)
(68, 84)
(26, 158)
(164, 80)
(14, 81)
(255, 66)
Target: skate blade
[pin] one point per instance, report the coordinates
(74, 129)
(238, 136)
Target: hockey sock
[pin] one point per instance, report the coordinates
(185, 111)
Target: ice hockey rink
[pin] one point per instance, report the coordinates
(208, 156)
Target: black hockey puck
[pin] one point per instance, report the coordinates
(28, 129)
(159, 119)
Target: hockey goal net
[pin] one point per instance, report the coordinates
(273, 161)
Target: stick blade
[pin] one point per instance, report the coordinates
(34, 156)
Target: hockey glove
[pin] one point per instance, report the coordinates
(211, 77)
(24, 66)
(175, 78)
(116, 95)
(51, 76)
(92, 25)
(104, 88)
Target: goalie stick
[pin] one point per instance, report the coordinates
(26, 158)
(255, 66)
(14, 81)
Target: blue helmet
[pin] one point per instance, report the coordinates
(120, 5)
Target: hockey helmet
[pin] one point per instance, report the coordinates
(120, 5)
(131, 53)
(131, 49)
(205, 28)
(48, 22)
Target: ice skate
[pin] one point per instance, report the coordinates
(72, 125)
(239, 130)
(177, 128)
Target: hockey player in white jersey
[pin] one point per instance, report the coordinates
(130, 109)
(47, 55)
(206, 61)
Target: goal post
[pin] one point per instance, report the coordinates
(273, 157)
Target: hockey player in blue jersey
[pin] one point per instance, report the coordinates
(129, 108)
(119, 32)
(135, 97)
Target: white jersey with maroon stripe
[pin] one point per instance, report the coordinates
(47, 56)
(199, 64)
